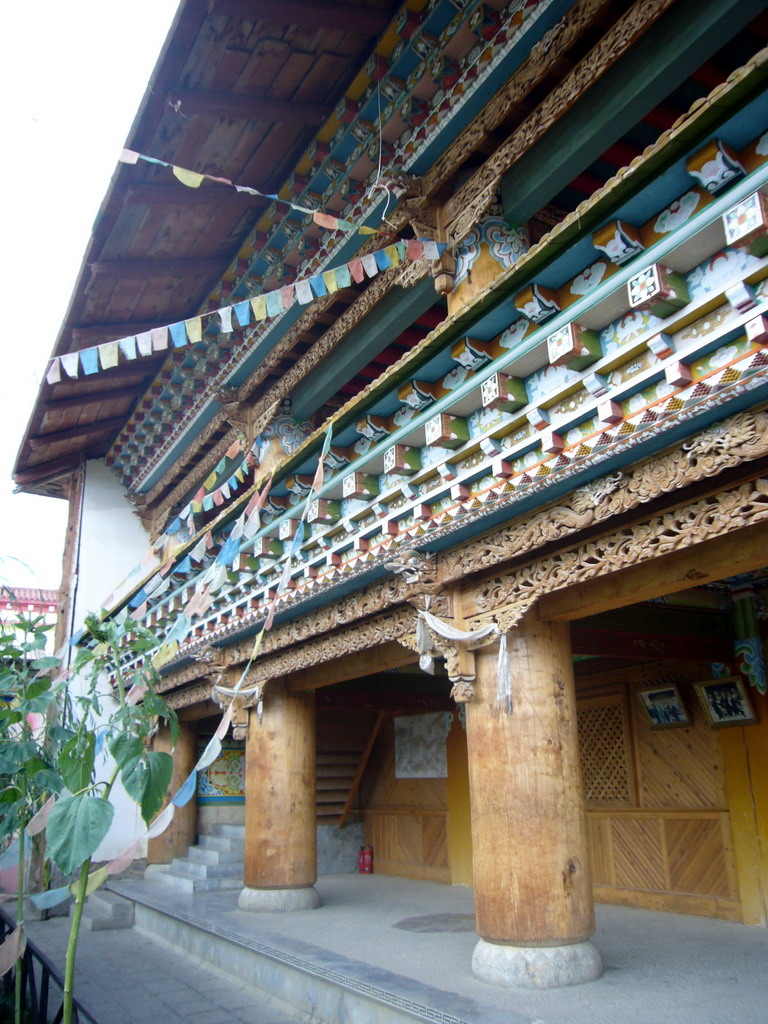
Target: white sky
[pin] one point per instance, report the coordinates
(71, 79)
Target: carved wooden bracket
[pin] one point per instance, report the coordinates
(250, 695)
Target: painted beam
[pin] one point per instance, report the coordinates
(383, 324)
(667, 54)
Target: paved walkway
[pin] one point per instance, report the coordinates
(659, 968)
(127, 977)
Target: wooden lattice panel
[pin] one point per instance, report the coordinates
(604, 751)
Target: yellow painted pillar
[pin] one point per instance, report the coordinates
(745, 761)
(280, 804)
(533, 893)
(459, 817)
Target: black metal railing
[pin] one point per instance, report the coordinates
(43, 987)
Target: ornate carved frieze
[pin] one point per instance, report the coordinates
(468, 204)
(714, 516)
(701, 458)
(727, 445)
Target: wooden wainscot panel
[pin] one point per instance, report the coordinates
(406, 820)
(659, 828)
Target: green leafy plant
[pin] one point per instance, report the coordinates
(105, 709)
(29, 743)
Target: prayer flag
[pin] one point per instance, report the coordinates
(186, 790)
(287, 296)
(243, 313)
(128, 156)
(54, 371)
(325, 220)
(430, 250)
(70, 362)
(382, 259)
(318, 286)
(233, 449)
(356, 270)
(329, 276)
(194, 329)
(128, 347)
(108, 354)
(274, 303)
(259, 307)
(370, 265)
(124, 859)
(343, 277)
(304, 292)
(159, 339)
(89, 360)
(161, 822)
(144, 343)
(415, 248)
(178, 335)
(225, 315)
(189, 178)
(393, 254)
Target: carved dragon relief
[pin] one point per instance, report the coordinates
(701, 457)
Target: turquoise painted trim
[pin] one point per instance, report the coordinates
(655, 254)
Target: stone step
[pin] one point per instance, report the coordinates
(191, 867)
(184, 881)
(232, 831)
(206, 855)
(225, 844)
(106, 911)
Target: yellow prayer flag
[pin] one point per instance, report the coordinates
(210, 480)
(393, 254)
(259, 307)
(194, 329)
(367, 231)
(329, 277)
(189, 178)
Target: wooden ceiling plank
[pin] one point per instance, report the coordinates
(249, 108)
(181, 196)
(131, 269)
(83, 401)
(96, 429)
(369, 21)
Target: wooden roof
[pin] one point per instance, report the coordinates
(239, 91)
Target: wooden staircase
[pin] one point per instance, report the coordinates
(342, 756)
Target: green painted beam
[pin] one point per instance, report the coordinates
(389, 318)
(660, 61)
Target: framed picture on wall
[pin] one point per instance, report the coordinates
(726, 702)
(664, 707)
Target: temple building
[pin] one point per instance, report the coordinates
(414, 391)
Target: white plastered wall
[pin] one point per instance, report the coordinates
(112, 542)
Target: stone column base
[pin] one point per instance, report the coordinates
(278, 901)
(536, 966)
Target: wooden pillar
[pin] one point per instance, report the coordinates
(533, 894)
(180, 834)
(280, 804)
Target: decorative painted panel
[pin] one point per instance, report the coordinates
(223, 782)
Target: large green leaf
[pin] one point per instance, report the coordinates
(76, 761)
(75, 828)
(125, 748)
(146, 779)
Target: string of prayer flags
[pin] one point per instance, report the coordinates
(194, 179)
(106, 355)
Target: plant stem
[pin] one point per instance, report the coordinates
(19, 990)
(74, 931)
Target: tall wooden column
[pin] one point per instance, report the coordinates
(280, 806)
(532, 884)
(180, 834)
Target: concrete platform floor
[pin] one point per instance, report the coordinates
(658, 967)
